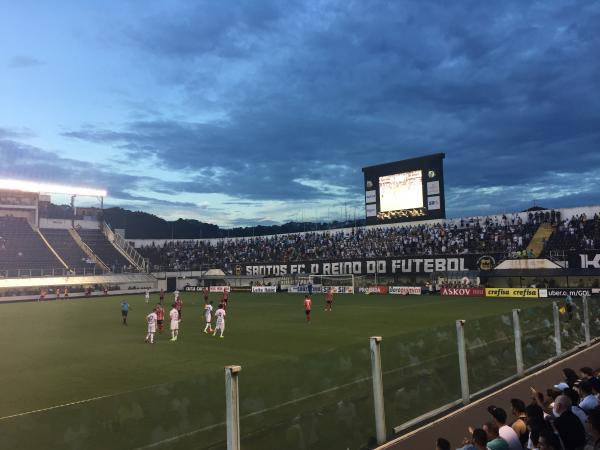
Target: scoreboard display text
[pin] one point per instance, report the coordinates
(408, 190)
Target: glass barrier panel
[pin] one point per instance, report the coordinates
(537, 331)
(490, 344)
(594, 311)
(572, 328)
(319, 401)
(179, 415)
(420, 373)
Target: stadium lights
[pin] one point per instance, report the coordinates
(45, 188)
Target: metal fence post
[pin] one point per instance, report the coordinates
(232, 407)
(586, 320)
(556, 328)
(380, 431)
(462, 360)
(518, 345)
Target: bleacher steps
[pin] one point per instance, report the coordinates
(87, 250)
(43, 238)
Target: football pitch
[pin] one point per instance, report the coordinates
(73, 377)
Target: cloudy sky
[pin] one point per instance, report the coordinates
(260, 111)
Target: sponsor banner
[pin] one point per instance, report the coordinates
(264, 289)
(373, 290)
(584, 260)
(563, 292)
(405, 290)
(464, 292)
(512, 292)
(318, 289)
(382, 266)
(303, 289)
(193, 288)
(220, 289)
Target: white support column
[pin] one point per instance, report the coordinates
(557, 328)
(378, 405)
(518, 344)
(586, 320)
(232, 407)
(462, 361)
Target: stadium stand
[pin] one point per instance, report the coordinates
(467, 236)
(102, 248)
(577, 233)
(554, 420)
(21, 247)
(70, 252)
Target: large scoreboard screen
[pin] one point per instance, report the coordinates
(408, 190)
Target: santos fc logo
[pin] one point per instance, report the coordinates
(486, 262)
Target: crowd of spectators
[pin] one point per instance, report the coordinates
(577, 233)
(567, 417)
(488, 235)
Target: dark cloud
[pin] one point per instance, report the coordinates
(288, 100)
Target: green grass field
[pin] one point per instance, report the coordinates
(295, 376)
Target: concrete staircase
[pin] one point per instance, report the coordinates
(543, 233)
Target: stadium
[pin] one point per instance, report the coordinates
(418, 320)
(303, 225)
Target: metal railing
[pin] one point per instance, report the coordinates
(126, 248)
(62, 272)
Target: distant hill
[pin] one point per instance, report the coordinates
(141, 225)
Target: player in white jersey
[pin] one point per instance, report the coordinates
(174, 315)
(220, 315)
(147, 296)
(208, 317)
(151, 319)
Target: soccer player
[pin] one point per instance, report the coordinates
(208, 317)
(307, 307)
(66, 293)
(220, 315)
(205, 294)
(569, 306)
(162, 296)
(160, 314)
(310, 288)
(328, 299)
(179, 307)
(42, 295)
(151, 319)
(124, 311)
(225, 298)
(57, 293)
(147, 296)
(174, 316)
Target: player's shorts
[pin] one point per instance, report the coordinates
(208, 319)
(160, 323)
(220, 325)
(307, 312)
(329, 302)
(124, 313)
(174, 324)
(152, 328)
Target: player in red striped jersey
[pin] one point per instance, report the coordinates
(307, 307)
(225, 298)
(328, 299)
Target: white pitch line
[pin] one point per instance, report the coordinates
(78, 402)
